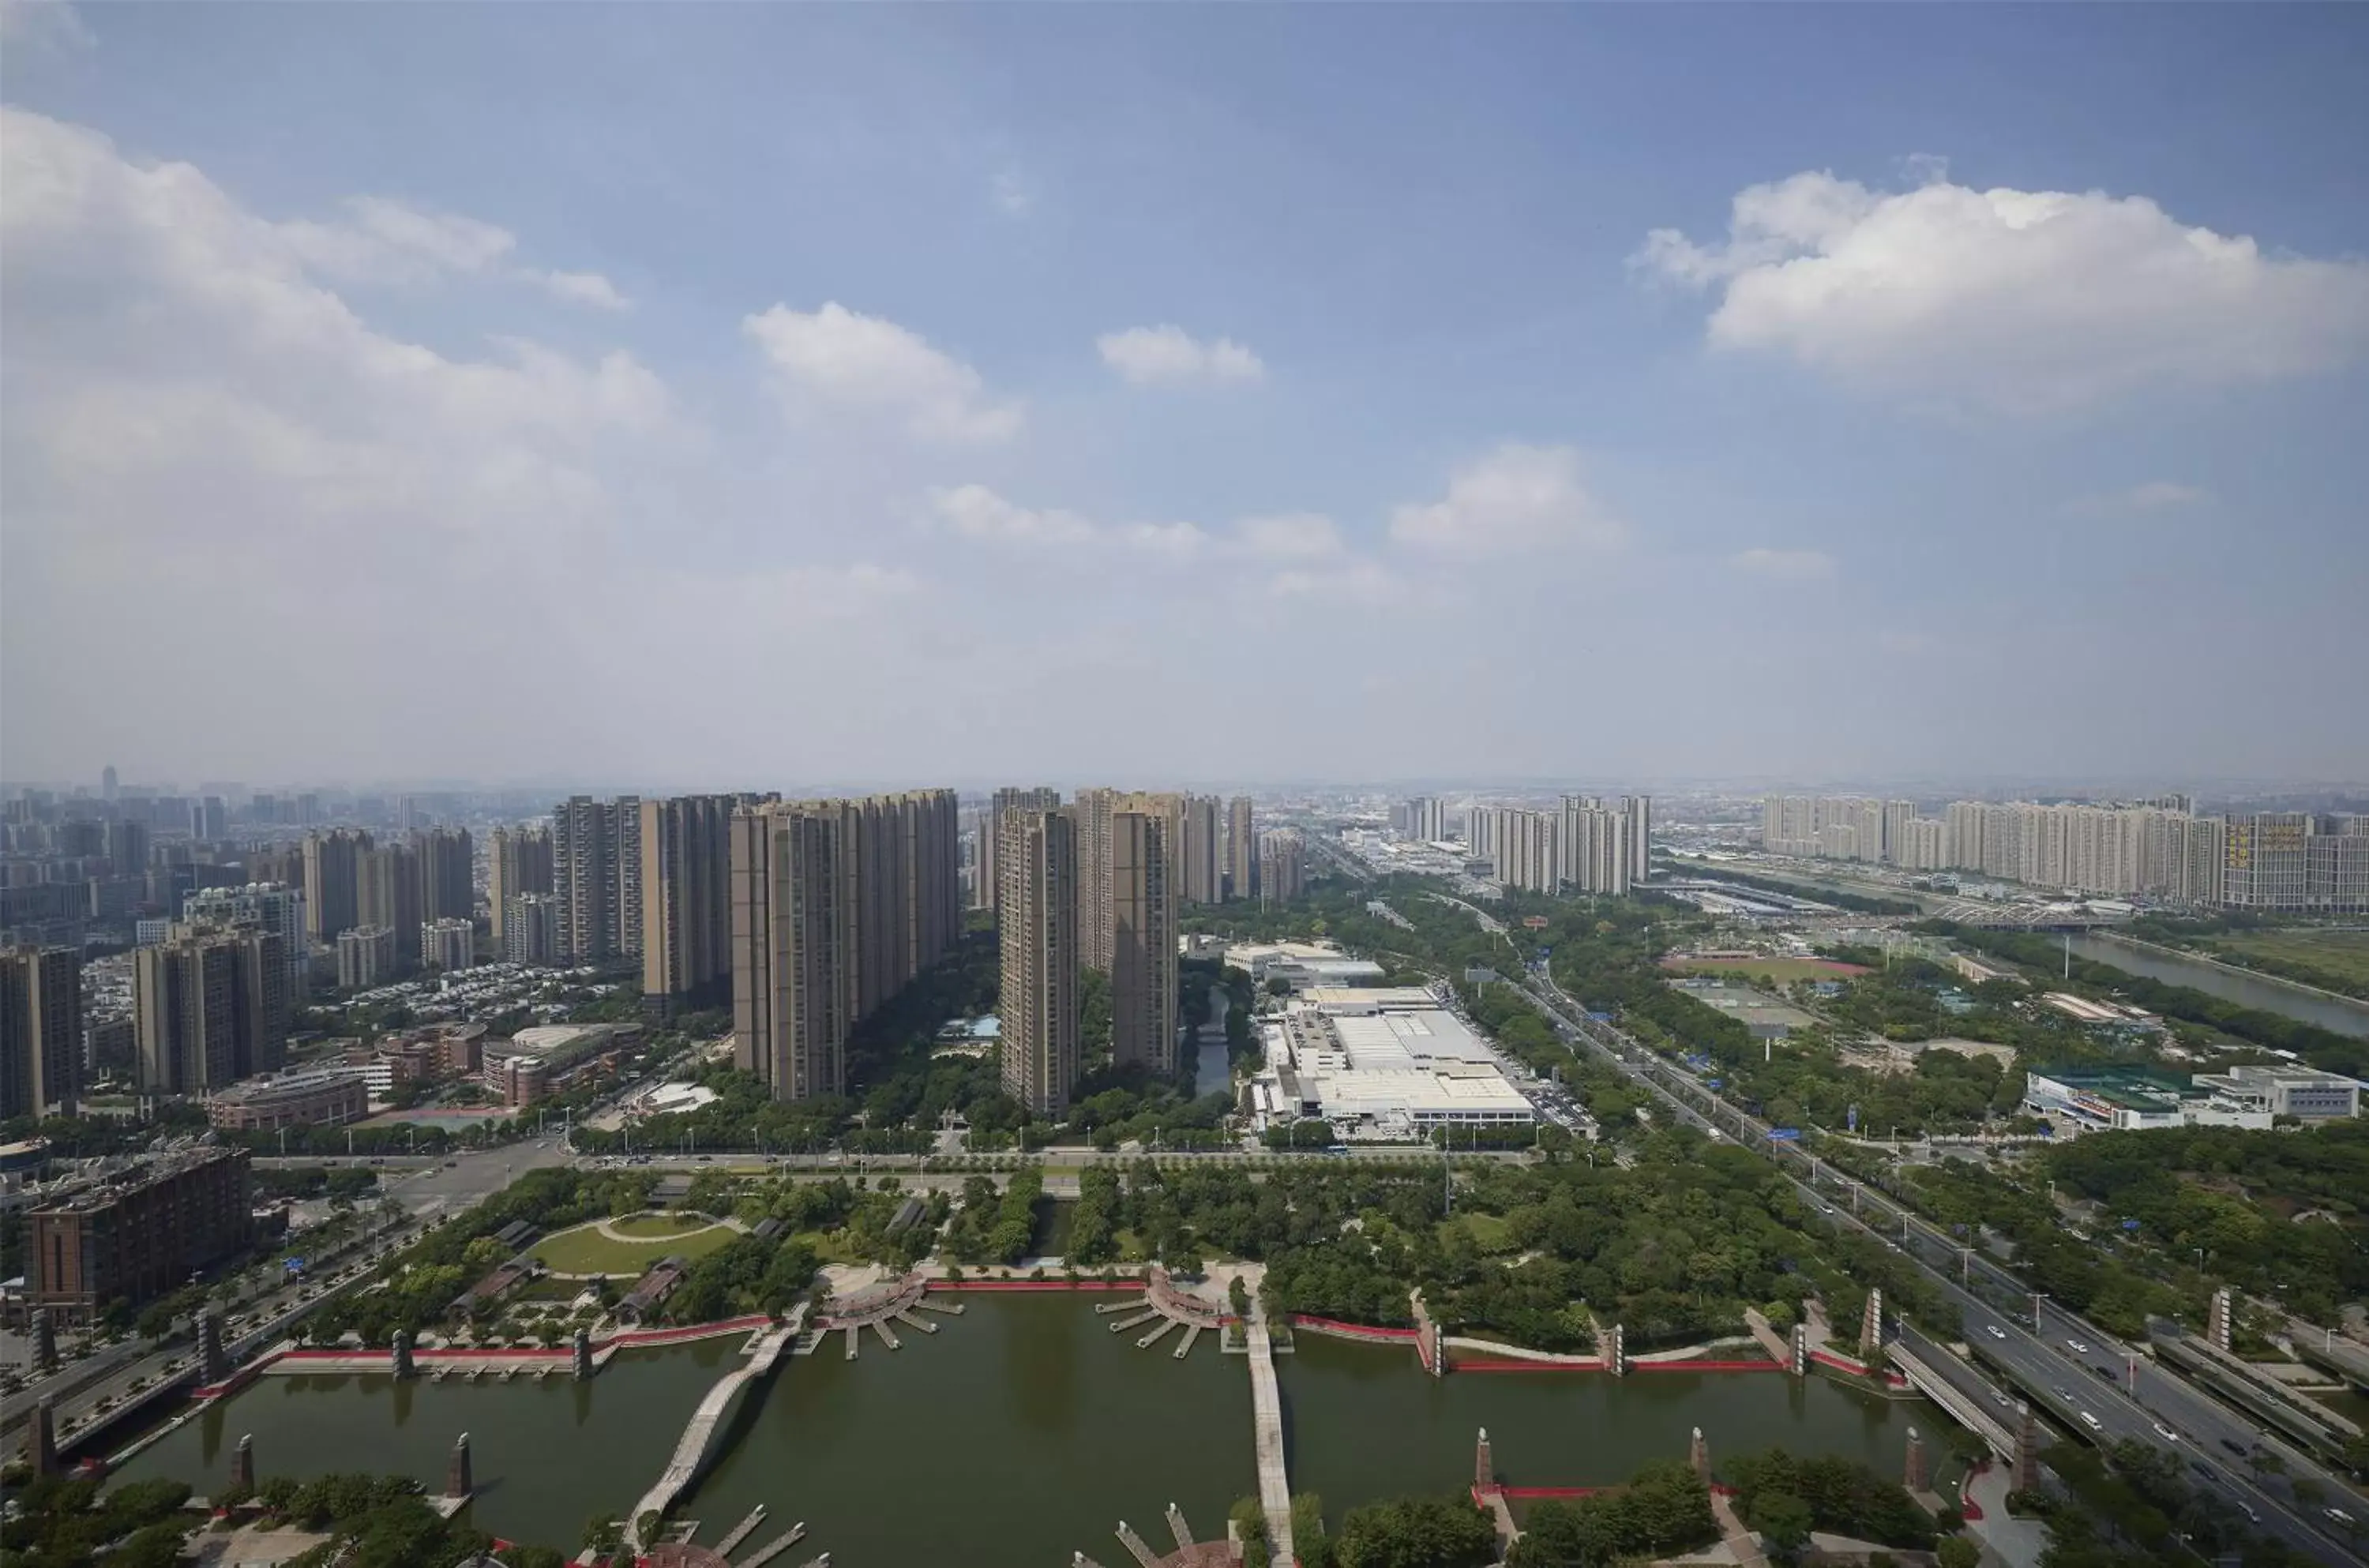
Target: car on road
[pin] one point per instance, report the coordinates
(2061, 1392)
(2092, 1423)
(2338, 1516)
(2166, 1433)
(1992, 1329)
(2077, 1347)
(2234, 1446)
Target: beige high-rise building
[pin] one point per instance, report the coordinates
(1203, 850)
(210, 1007)
(1041, 798)
(517, 861)
(1241, 849)
(1036, 929)
(1283, 865)
(836, 905)
(1093, 811)
(40, 1031)
(389, 895)
(686, 863)
(1144, 943)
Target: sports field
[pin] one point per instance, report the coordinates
(585, 1250)
(1775, 971)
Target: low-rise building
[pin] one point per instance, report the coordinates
(1300, 965)
(328, 1096)
(1388, 1064)
(2304, 1093)
(652, 1289)
(2132, 1099)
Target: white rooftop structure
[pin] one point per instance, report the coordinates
(1388, 1064)
(1301, 964)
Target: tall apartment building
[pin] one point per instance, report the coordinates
(1423, 817)
(530, 923)
(596, 870)
(1202, 853)
(836, 905)
(447, 945)
(686, 860)
(388, 896)
(126, 846)
(1094, 810)
(1037, 930)
(1600, 842)
(1143, 943)
(333, 882)
(40, 1031)
(1041, 798)
(210, 1007)
(1241, 849)
(366, 957)
(2294, 860)
(1283, 865)
(518, 860)
(448, 874)
(209, 819)
(258, 906)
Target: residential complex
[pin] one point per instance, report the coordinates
(133, 1234)
(40, 1031)
(2160, 848)
(596, 871)
(518, 860)
(686, 860)
(1588, 844)
(210, 1007)
(1142, 943)
(836, 905)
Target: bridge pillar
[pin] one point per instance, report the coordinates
(1699, 1457)
(2216, 1322)
(1439, 1338)
(398, 1356)
(242, 1465)
(1484, 1473)
(45, 1342)
(212, 1365)
(1801, 1350)
(459, 1481)
(1917, 1474)
(1616, 1353)
(41, 1441)
(2027, 1447)
(583, 1360)
(1871, 1329)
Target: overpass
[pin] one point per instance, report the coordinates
(691, 1448)
(1957, 1388)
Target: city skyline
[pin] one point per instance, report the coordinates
(1429, 415)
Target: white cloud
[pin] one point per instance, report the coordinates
(1288, 536)
(1356, 582)
(837, 359)
(1165, 355)
(1514, 499)
(2018, 300)
(1178, 541)
(1011, 192)
(1786, 566)
(383, 241)
(977, 512)
(46, 25)
(2155, 495)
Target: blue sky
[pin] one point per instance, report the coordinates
(711, 394)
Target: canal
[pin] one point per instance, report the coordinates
(2339, 1013)
(1020, 1432)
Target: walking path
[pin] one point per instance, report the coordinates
(690, 1449)
(1266, 1413)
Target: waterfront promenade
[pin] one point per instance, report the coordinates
(690, 1449)
(1267, 1416)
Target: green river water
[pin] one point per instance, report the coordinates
(1020, 1431)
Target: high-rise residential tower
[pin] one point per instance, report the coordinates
(517, 861)
(448, 874)
(596, 870)
(1241, 849)
(990, 831)
(1143, 943)
(1093, 811)
(210, 1007)
(686, 860)
(1037, 930)
(389, 896)
(1283, 865)
(40, 1031)
(333, 882)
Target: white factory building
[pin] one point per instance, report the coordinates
(1300, 965)
(1383, 1064)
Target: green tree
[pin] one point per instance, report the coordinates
(1957, 1551)
(1783, 1521)
(1417, 1532)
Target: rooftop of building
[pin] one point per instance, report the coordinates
(2132, 1087)
(109, 1185)
(286, 1086)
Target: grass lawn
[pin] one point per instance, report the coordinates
(2337, 960)
(1490, 1234)
(658, 1226)
(1777, 971)
(585, 1251)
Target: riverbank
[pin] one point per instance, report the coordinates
(2215, 961)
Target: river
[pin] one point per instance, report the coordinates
(1212, 1073)
(2339, 1013)
(1022, 1431)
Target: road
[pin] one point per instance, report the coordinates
(2042, 1361)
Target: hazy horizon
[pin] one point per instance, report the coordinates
(725, 397)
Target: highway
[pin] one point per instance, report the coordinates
(2039, 1358)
